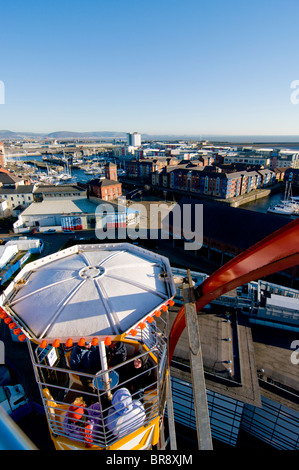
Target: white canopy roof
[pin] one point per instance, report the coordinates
(89, 291)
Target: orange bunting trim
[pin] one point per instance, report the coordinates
(69, 343)
(133, 332)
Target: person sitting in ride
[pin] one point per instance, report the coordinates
(77, 423)
(87, 359)
(141, 376)
(95, 414)
(126, 414)
(116, 353)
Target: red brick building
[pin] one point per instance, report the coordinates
(108, 188)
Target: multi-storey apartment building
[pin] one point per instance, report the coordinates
(149, 153)
(247, 158)
(285, 159)
(134, 139)
(213, 181)
(144, 168)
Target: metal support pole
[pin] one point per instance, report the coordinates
(104, 364)
(197, 371)
(169, 401)
(170, 414)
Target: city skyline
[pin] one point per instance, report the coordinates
(193, 67)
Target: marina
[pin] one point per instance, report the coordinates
(288, 205)
(82, 171)
(54, 170)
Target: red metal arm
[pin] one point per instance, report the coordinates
(274, 253)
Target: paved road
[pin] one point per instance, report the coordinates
(54, 241)
(177, 256)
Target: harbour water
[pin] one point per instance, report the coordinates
(77, 173)
(262, 205)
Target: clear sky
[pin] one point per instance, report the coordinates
(151, 66)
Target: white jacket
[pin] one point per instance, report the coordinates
(126, 415)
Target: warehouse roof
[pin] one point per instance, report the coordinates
(67, 206)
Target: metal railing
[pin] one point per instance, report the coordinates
(60, 386)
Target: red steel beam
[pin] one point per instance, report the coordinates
(274, 253)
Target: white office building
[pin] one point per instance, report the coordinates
(134, 139)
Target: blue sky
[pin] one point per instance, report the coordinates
(160, 66)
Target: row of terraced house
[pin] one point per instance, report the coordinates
(224, 185)
(194, 176)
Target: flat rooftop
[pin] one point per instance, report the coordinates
(260, 359)
(63, 206)
(58, 189)
(273, 355)
(228, 356)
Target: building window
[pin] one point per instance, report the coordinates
(206, 183)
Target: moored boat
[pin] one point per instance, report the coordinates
(282, 209)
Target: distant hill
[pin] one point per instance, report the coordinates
(4, 134)
(9, 135)
(283, 140)
(97, 134)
